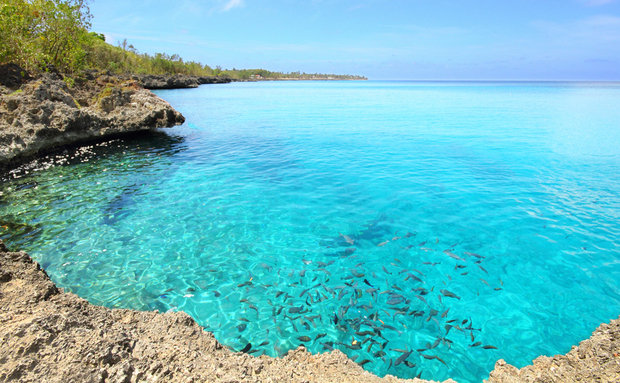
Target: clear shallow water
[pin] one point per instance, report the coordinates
(483, 214)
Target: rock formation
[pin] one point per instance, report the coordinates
(177, 81)
(44, 113)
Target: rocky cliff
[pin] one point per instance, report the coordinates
(38, 115)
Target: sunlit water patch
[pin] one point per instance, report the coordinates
(421, 228)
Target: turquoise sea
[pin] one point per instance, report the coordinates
(420, 227)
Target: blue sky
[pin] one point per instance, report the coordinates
(396, 39)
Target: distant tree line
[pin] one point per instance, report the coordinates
(42, 35)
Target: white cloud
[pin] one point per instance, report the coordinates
(230, 4)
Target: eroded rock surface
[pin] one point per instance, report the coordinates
(51, 336)
(596, 359)
(45, 113)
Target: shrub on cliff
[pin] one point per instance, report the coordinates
(39, 34)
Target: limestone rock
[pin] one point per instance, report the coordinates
(44, 114)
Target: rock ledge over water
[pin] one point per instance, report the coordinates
(44, 113)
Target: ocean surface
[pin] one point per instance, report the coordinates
(419, 227)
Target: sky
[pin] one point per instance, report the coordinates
(388, 39)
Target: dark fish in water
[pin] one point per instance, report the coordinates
(244, 319)
(384, 269)
(304, 338)
(363, 362)
(217, 293)
(295, 310)
(409, 234)
(279, 293)
(368, 283)
(247, 347)
(328, 346)
(395, 300)
(244, 284)
(320, 336)
(489, 347)
(409, 364)
(264, 343)
(254, 308)
(242, 327)
(357, 274)
(402, 358)
(474, 255)
(449, 294)
(302, 273)
(475, 344)
(347, 239)
(411, 276)
(383, 243)
(379, 354)
(452, 255)
(483, 269)
(443, 314)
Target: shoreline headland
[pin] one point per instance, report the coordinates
(50, 335)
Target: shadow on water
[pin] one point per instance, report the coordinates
(136, 160)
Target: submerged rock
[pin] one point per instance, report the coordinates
(44, 113)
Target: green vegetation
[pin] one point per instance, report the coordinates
(41, 35)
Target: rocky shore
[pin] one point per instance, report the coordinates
(42, 114)
(178, 81)
(52, 336)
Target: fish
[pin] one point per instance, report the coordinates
(383, 243)
(246, 348)
(474, 255)
(402, 358)
(475, 344)
(217, 293)
(304, 338)
(363, 362)
(452, 255)
(384, 269)
(347, 239)
(449, 294)
(320, 336)
(296, 310)
(483, 269)
(443, 314)
(368, 283)
(489, 347)
(328, 346)
(411, 276)
(242, 327)
(244, 284)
